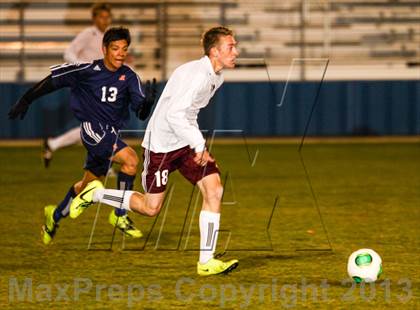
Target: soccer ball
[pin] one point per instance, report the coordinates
(364, 265)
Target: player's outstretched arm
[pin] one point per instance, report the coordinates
(40, 89)
(150, 91)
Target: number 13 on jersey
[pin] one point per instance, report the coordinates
(109, 94)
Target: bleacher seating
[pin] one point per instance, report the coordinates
(34, 34)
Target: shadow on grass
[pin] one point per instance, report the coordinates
(260, 260)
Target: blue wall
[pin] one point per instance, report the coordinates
(344, 108)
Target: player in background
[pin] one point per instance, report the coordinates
(102, 92)
(85, 47)
(173, 141)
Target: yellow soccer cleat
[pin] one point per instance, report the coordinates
(50, 227)
(84, 199)
(216, 266)
(125, 224)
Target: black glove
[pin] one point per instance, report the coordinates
(19, 109)
(40, 89)
(150, 90)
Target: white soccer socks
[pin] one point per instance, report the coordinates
(209, 230)
(68, 138)
(113, 197)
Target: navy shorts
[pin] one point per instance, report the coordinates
(158, 166)
(101, 142)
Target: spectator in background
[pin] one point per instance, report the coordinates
(85, 47)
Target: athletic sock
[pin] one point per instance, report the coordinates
(124, 182)
(209, 230)
(68, 138)
(63, 209)
(113, 197)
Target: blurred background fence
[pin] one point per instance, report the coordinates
(371, 85)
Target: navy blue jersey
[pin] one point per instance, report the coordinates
(98, 94)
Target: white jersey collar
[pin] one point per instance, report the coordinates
(206, 60)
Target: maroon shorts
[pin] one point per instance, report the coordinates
(158, 166)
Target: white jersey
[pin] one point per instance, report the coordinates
(173, 124)
(85, 47)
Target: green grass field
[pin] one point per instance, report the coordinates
(369, 196)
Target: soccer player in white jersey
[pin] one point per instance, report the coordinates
(173, 141)
(85, 47)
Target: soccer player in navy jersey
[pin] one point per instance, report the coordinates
(85, 47)
(102, 93)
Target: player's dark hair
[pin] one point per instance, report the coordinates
(99, 7)
(211, 37)
(115, 34)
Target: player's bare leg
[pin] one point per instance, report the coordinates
(146, 204)
(128, 160)
(212, 190)
(118, 217)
